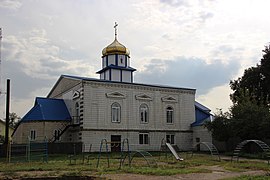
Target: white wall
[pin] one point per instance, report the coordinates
(184, 140)
(126, 76)
(115, 74)
(184, 111)
(104, 62)
(96, 100)
(97, 114)
(111, 59)
(204, 135)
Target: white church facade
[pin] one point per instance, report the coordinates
(87, 110)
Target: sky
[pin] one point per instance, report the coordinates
(200, 44)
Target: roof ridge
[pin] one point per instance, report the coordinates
(142, 84)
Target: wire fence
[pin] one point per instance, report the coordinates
(31, 151)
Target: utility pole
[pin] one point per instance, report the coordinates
(0, 61)
(7, 112)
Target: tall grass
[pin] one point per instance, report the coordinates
(63, 165)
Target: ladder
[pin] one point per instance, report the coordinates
(261, 144)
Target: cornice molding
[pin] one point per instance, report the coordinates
(115, 94)
(143, 97)
(169, 99)
(137, 130)
(141, 87)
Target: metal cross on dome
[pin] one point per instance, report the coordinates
(115, 29)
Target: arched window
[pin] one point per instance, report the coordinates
(144, 114)
(116, 112)
(169, 114)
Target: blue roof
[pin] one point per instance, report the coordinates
(108, 81)
(46, 109)
(80, 78)
(111, 66)
(202, 107)
(202, 114)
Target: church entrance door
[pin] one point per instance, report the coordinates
(115, 143)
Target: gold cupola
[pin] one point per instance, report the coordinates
(115, 47)
(116, 62)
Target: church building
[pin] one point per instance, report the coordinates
(113, 107)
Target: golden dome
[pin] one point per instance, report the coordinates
(115, 48)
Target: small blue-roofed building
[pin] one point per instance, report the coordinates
(202, 114)
(114, 107)
(200, 132)
(47, 119)
(49, 110)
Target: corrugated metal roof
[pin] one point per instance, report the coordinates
(116, 82)
(111, 66)
(202, 107)
(46, 109)
(202, 114)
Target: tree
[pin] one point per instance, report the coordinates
(220, 126)
(249, 83)
(250, 111)
(250, 119)
(265, 73)
(2, 139)
(13, 119)
(249, 116)
(255, 82)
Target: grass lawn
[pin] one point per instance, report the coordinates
(62, 165)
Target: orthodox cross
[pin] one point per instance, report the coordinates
(115, 29)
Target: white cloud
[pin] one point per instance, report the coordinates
(217, 98)
(39, 57)
(10, 4)
(34, 63)
(170, 16)
(43, 39)
(188, 72)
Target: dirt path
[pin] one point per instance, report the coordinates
(217, 173)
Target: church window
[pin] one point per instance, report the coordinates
(170, 138)
(143, 138)
(169, 114)
(32, 135)
(116, 112)
(144, 113)
(57, 134)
